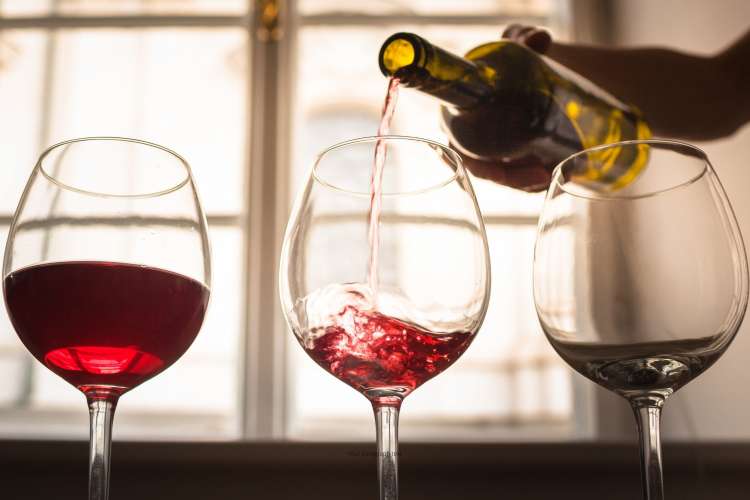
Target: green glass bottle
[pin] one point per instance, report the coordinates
(506, 104)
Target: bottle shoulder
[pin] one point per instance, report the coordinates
(504, 64)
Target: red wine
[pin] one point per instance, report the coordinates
(376, 182)
(377, 354)
(104, 325)
(645, 367)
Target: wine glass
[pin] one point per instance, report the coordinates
(107, 272)
(385, 299)
(640, 287)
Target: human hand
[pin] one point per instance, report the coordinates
(537, 39)
(527, 175)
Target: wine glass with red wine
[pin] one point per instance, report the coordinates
(384, 274)
(106, 272)
(640, 287)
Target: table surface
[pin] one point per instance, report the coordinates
(280, 470)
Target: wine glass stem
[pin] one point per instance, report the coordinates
(386, 422)
(648, 416)
(101, 412)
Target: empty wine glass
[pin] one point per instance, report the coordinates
(107, 272)
(640, 288)
(387, 305)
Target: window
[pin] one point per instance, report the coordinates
(249, 114)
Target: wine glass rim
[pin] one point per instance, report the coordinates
(700, 154)
(454, 156)
(153, 194)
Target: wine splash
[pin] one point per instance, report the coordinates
(378, 354)
(376, 184)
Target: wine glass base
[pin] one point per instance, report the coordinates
(391, 396)
(102, 392)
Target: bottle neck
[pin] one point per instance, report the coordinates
(422, 66)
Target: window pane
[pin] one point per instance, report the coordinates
(204, 382)
(10, 8)
(195, 398)
(430, 7)
(505, 375)
(115, 7)
(184, 89)
(21, 87)
(14, 360)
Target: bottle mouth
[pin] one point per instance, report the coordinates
(399, 51)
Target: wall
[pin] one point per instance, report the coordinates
(716, 406)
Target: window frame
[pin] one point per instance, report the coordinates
(264, 389)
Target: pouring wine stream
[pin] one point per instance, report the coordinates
(376, 185)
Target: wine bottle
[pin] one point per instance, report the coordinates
(506, 104)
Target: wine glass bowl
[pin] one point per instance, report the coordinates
(111, 199)
(421, 288)
(106, 272)
(640, 287)
(384, 307)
